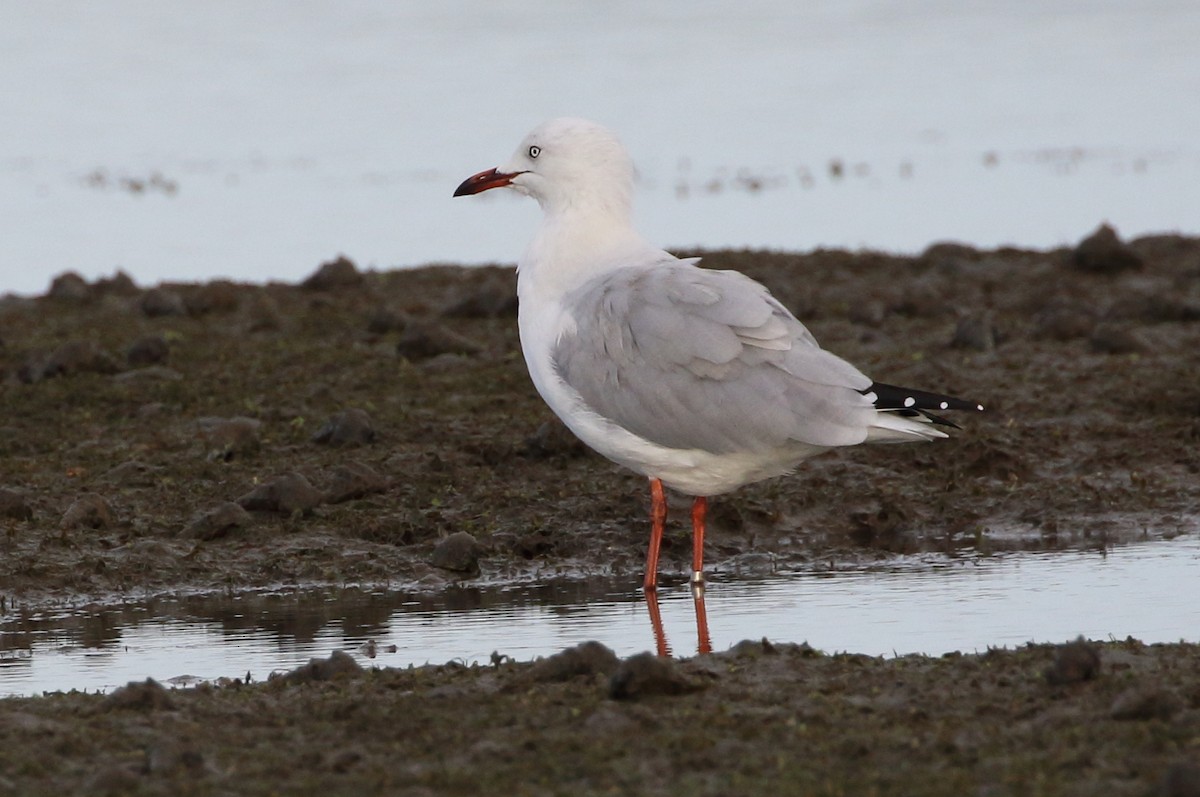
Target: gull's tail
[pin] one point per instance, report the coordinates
(905, 414)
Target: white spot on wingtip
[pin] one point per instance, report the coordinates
(945, 405)
(979, 407)
(910, 401)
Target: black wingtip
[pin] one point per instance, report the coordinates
(912, 402)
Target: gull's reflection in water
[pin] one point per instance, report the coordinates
(661, 645)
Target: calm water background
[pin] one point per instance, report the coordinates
(255, 139)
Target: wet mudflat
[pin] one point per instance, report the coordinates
(379, 428)
(757, 719)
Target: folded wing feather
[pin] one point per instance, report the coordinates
(698, 359)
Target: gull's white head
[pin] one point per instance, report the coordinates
(565, 164)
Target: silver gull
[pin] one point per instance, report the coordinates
(698, 379)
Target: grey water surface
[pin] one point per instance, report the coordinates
(1150, 591)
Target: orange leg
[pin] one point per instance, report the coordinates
(658, 519)
(699, 510)
(703, 640)
(656, 624)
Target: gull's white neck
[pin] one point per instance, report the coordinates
(575, 244)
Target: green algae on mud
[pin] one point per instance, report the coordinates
(758, 719)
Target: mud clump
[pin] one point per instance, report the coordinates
(219, 521)
(1114, 339)
(227, 438)
(73, 358)
(14, 505)
(148, 350)
(351, 480)
(352, 427)
(89, 511)
(646, 675)
(339, 664)
(496, 297)
(334, 274)
(1103, 252)
(976, 331)
(160, 302)
(1074, 662)
(587, 659)
(287, 493)
(148, 695)
(458, 553)
(552, 439)
(69, 286)
(1181, 780)
(1146, 703)
(424, 340)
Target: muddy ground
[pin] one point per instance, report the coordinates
(346, 430)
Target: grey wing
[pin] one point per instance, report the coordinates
(692, 358)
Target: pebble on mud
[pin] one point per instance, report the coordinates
(226, 438)
(645, 675)
(352, 427)
(1103, 252)
(423, 340)
(217, 521)
(352, 480)
(587, 658)
(339, 273)
(88, 511)
(339, 663)
(458, 553)
(287, 493)
(1075, 661)
(14, 505)
(148, 350)
(147, 695)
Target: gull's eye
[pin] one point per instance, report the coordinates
(534, 151)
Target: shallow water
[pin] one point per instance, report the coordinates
(1149, 591)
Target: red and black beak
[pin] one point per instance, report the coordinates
(483, 181)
